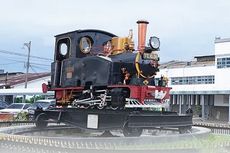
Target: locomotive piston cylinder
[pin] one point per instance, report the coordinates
(142, 28)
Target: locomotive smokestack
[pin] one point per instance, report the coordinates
(142, 28)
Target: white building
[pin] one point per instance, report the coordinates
(202, 84)
(13, 85)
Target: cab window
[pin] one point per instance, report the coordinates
(63, 48)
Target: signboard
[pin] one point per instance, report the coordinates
(92, 121)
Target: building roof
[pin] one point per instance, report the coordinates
(205, 58)
(9, 74)
(27, 91)
(182, 64)
(18, 78)
(222, 40)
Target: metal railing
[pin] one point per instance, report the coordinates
(216, 128)
(144, 143)
(15, 123)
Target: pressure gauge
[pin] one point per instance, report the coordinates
(154, 43)
(85, 45)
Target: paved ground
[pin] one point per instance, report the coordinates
(10, 147)
(192, 145)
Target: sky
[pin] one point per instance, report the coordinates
(186, 28)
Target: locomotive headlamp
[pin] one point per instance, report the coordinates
(154, 43)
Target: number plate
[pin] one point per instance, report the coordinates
(151, 55)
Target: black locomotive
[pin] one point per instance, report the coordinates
(97, 68)
(102, 82)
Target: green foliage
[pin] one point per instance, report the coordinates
(35, 98)
(31, 100)
(18, 99)
(197, 110)
(22, 116)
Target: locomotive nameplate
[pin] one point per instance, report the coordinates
(151, 56)
(69, 73)
(92, 121)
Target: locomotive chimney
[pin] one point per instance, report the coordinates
(142, 28)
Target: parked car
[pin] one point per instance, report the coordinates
(16, 108)
(42, 105)
(3, 104)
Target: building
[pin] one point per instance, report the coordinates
(13, 84)
(202, 84)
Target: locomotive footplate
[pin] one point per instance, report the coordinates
(109, 119)
(159, 119)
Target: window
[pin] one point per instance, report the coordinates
(63, 48)
(193, 80)
(85, 45)
(15, 106)
(26, 106)
(223, 62)
(225, 99)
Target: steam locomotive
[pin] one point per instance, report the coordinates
(97, 69)
(102, 82)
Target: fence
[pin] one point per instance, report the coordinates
(216, 128)
(15, 123)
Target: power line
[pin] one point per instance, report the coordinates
(23, 60)
(24, 55)
(8, 63)
(32, 63)
(20, 61)
(36, 72)
(41, 68)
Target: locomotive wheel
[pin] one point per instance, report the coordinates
(100, 107)
(114, 108)
(41, 121)
(132, 131)
(118, 97)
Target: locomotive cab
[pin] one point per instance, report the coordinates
(70, 51)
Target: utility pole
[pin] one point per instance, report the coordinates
(6, 79)
(28, 45)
